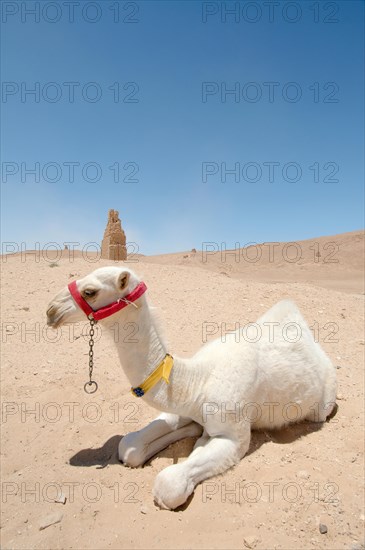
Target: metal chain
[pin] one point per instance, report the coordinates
(91, 386)
(91, 351)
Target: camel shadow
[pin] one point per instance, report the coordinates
(288, 434)
(282, 436)
(100, 457)
(108, 453)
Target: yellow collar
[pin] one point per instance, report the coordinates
(162, 371)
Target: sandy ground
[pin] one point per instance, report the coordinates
(59, 442)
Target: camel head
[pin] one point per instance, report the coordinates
(99, 289)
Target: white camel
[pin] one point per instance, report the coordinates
(266, 378)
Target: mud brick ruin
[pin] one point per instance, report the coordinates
(113, 246)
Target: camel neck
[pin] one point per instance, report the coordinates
(141, 352)
(138, 341)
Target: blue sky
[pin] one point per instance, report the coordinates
(162, 55)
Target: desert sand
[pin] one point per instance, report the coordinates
(62, 485)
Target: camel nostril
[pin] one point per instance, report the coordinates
(50, 310)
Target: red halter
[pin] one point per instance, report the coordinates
(105, 311)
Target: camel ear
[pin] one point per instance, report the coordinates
(123, 280)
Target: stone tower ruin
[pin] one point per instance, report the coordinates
(113, 246)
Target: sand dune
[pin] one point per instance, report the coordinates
(335, 262)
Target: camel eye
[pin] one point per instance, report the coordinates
(89, 292)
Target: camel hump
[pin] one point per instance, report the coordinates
(285, 310)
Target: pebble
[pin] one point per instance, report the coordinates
(61, 499)
(303, 474)
(143, 510)
(47, 521)
(251, 541)
(323, 528)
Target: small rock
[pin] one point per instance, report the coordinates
(250, 541)
(47, 521)
(144, 510)
(61, 499)
(303, 474)
(323, 528)
(340, 396)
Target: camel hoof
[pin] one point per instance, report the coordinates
(172, 488)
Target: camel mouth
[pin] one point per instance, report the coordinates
(54, 322)
(55, 317)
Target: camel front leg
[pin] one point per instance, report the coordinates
(136, 448)
(176, 483)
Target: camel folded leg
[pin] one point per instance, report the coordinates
(175, 483)
(136, 448)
